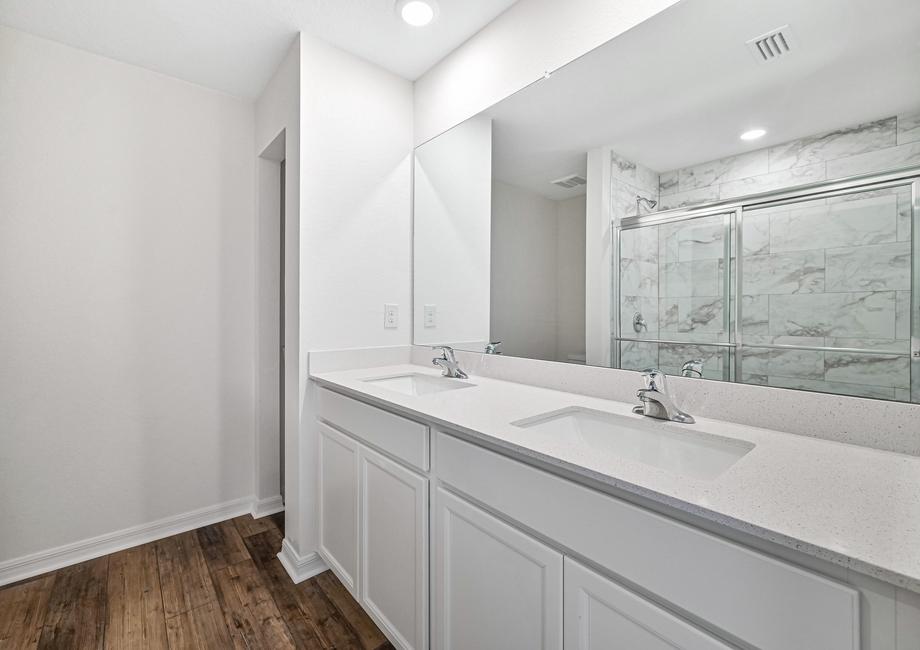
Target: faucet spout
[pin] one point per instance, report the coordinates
(448, 362)
(656, 402)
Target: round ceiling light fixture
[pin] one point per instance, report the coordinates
(753, 134)
(417, 13)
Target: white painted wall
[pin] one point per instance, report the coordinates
(538, 274)
(524, 272)
(516, 49)
(356, 200)
(570, 278)
(126, 296)
(355, 224)
(453, 179)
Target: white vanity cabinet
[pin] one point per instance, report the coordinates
(520, 558)
(721, 585)
(495, 588)
(373, 513)
(600, 614)
(338, 505)
(394, 548)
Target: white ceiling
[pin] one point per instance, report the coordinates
(236, 45)
(679, 88)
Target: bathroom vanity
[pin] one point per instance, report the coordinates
(483, 513)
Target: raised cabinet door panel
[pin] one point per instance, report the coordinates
(338, 504)
(602, 615)
(496, 588)
(394, 549)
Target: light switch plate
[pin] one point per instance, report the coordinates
(431, 315)
(390, 316)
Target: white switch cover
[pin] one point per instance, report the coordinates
(390, 316)
(431, 315)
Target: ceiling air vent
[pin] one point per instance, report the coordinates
(569, 182)
(771, 46)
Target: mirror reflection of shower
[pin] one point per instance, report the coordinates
(639, 323)
(648, 203)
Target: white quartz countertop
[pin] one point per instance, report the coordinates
(853, 506)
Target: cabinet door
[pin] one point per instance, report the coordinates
(338, 504)
(496, 588)
(602, 615)
(394, 549)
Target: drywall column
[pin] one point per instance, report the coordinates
(598, 258)
(355, 224)
(278, 115)
(570, 279)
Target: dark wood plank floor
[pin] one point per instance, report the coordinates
(220, 586)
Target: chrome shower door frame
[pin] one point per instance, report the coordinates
(734, 210)
(915, 292)
(656, 219)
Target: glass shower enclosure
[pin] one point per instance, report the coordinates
(813, 288)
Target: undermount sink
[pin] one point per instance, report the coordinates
(683, 449)
(418, 384)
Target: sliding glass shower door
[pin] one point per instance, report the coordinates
(828, 282)
(827, 294)
(673, 286)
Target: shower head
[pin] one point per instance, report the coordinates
(648, 203)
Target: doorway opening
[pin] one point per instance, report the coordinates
(271, 384)
(281, 241)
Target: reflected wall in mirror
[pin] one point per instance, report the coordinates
(453, 178)
(613, 215)
(537, 307)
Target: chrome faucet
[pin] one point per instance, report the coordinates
(656, 403)
(693, 368)
(448, 362)
(492, 347)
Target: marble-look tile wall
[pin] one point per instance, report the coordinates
(889, 143)
(639, 267)
(830, 273)
(630, 179)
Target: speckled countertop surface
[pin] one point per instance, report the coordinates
(852, 506)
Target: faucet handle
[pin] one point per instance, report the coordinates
(446, 350)
(639, 323)
(492, 347)
(448, 362)
(654, 379)
(692, 368)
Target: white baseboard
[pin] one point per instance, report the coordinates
(264, 507)
(31, 565)
(300, 567)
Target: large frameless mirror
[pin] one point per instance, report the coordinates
(726, 191)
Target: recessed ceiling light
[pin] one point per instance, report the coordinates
(417, 13)
(753, 134)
